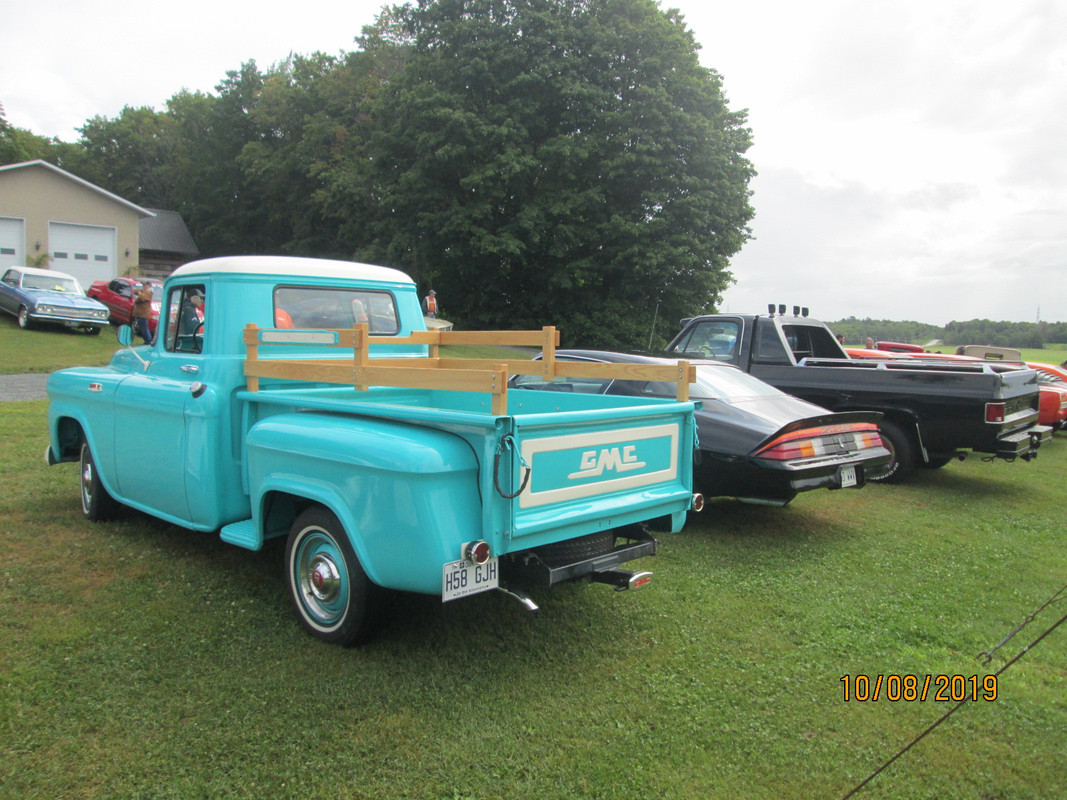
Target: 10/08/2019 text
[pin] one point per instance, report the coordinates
(911, 688)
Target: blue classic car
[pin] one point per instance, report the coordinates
(44, 295)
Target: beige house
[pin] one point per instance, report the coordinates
(85, 231)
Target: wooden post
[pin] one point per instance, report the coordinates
(548, 352)
(683, 381)
(252, 353)
(500, 390)
(360, 352)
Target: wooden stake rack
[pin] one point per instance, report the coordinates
(433, 372)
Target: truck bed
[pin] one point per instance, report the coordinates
(549, 466)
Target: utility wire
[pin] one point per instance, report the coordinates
(952, 710)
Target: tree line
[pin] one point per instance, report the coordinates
(976, 331)
(564, 161)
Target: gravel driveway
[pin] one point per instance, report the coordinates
(23, 387)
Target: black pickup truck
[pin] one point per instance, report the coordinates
(934, 411)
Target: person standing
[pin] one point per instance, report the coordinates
(429, 305)
(142, 311)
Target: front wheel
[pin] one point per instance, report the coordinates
(97, 504)
(331, 594)
(899, 443)
(24, 317)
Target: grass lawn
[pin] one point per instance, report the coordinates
(46, 349)
(143, 661)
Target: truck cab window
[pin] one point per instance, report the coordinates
(716, 340)
(808, 341)
(185, 319)
(326, 307)
(769, 348)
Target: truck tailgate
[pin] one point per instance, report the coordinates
(581, 472)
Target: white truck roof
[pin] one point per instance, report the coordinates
(290, 265)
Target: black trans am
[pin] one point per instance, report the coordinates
(757, 443)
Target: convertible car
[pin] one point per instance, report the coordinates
(44, 295)
(757, 444)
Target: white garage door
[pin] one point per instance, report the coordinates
(12, 242)
(85, 251)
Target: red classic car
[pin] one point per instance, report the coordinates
(117, 294)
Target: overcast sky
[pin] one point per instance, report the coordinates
(912, 154)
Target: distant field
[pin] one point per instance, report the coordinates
(1054, 354)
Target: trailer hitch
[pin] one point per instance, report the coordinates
(621, 579)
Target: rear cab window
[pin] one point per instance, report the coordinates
(812, 341)
(326, 307)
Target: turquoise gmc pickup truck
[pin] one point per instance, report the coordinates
(304, 398)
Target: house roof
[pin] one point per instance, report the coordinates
(144, 212)
(166, 232)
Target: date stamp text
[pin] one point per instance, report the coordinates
(918, 688)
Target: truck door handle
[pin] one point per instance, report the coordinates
(192, 369)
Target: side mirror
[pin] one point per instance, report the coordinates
(125, 334)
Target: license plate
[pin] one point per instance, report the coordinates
(462, 578)
(847, 476)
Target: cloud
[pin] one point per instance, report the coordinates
(911, 159)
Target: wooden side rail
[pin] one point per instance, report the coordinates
(456, 374)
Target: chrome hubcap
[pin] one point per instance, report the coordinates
(87, 482)
(324, 579)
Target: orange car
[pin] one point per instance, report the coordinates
(1051, 370)
(1053, 410)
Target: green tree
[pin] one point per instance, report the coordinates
(129, 155)
(562, 161)
(307, 132)
(218, 202)
(261, 165)
(18, 145)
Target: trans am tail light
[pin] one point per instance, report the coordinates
(996, 412)
(825, 441)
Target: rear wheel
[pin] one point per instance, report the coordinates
(331, 594)
(97, 504)
(900, 444)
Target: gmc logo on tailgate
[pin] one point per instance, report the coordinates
(574, 466)
(619, 459)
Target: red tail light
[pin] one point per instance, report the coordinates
(477, 552)
(824, 441)
(996, 412)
